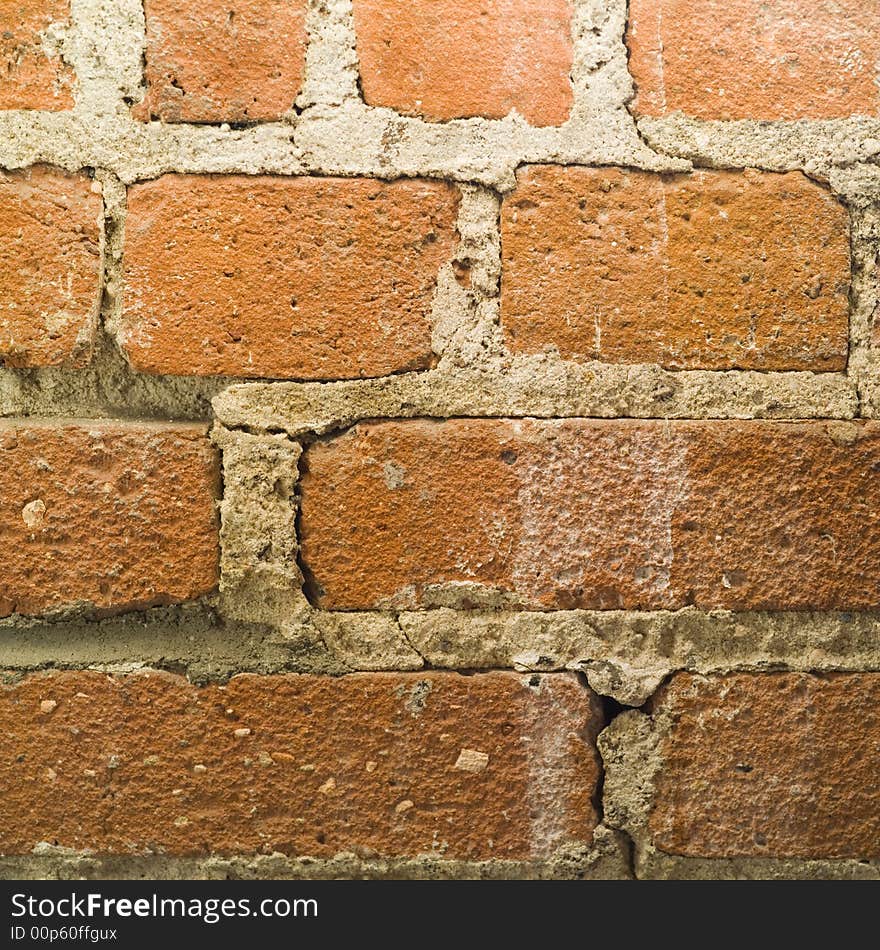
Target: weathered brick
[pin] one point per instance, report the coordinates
(713, 270)
(772, 765)
(495, 765)
(31, 76)
(446, 60)
(50, 267)
(120, 515)
(223, 60)
(309, 278)
(755, 59)
(595, 514)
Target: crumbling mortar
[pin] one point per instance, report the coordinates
(864, 250)
(259, 575)
(309, 583)
(624, 655)
(604, 859)
(591, 390)
(114, 76)
(112, 79)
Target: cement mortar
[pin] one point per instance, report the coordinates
(821, 149)
(540, 387)
(624, 654)
(606, 859)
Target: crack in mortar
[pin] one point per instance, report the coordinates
(625, 655)
(310, 588)
(538, 387)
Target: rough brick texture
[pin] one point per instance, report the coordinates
(447, 60)
(310, 278)
(50, 267)
(753, 59)
(780, 765)
(715, 270)
(585, 513)
(223, 60)
(32, 75)
(118, 515)
(150, 761)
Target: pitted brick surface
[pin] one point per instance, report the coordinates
(496, 765)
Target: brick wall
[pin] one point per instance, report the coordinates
(438, 439)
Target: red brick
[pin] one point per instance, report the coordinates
(755, 59)
(312, 765)
(309, 278)
(446, 60)
(595, 514)
(119, 515)
(713, 270)
(774, 765)
(50, 267)
(223, 60)
(31, 78)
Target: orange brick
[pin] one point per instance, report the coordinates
(601, 514)
(383, 764)
(309, 278)
(713, 270)
(447, 60)
(755, 59)
(223, 60)
(119, 515)
(50, 267)
(31, 77)
(775, 765)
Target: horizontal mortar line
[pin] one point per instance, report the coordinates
(200, 671)
(354, 109)
(53, 141)
(168, 635)
(787, 403)
(758, 133)
(713, 614)
(42, 418)
(471, 373)
(702, 161)
(87, 864)
(462, 173)
(309, 429)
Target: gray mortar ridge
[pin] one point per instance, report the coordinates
(625, 655)
(606, 859)
(260, 619)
